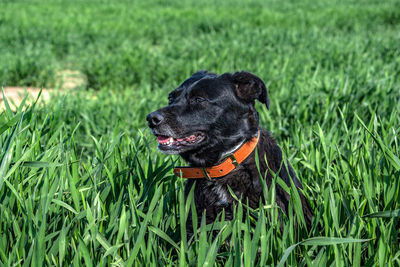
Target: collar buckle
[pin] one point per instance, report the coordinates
(206, 174)
(234, 161)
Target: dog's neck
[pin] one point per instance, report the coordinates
(212, 155)
(232, 150)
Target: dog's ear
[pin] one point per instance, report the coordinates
(249, 87)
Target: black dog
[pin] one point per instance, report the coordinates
(210, 116)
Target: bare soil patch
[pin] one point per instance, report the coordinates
(66, 80)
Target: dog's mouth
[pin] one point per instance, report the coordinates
(169, 143)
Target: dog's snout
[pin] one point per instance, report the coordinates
(155, 118)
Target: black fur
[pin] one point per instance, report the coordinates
(220, 109)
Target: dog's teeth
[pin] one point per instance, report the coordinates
(170, 141)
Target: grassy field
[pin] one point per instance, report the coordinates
(81, 180)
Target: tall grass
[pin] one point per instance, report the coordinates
(81, 181)
(71, 195)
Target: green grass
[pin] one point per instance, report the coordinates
(81, 181)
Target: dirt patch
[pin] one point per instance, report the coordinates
(66, 80)
(15, 95)
(70, 79)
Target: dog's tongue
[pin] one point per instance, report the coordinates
(165, 139)
(162, 139)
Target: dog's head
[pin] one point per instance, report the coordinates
(209, 114)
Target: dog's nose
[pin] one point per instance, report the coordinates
(155, 118)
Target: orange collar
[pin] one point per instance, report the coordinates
(228, 165)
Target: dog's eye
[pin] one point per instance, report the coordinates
(197, 99)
